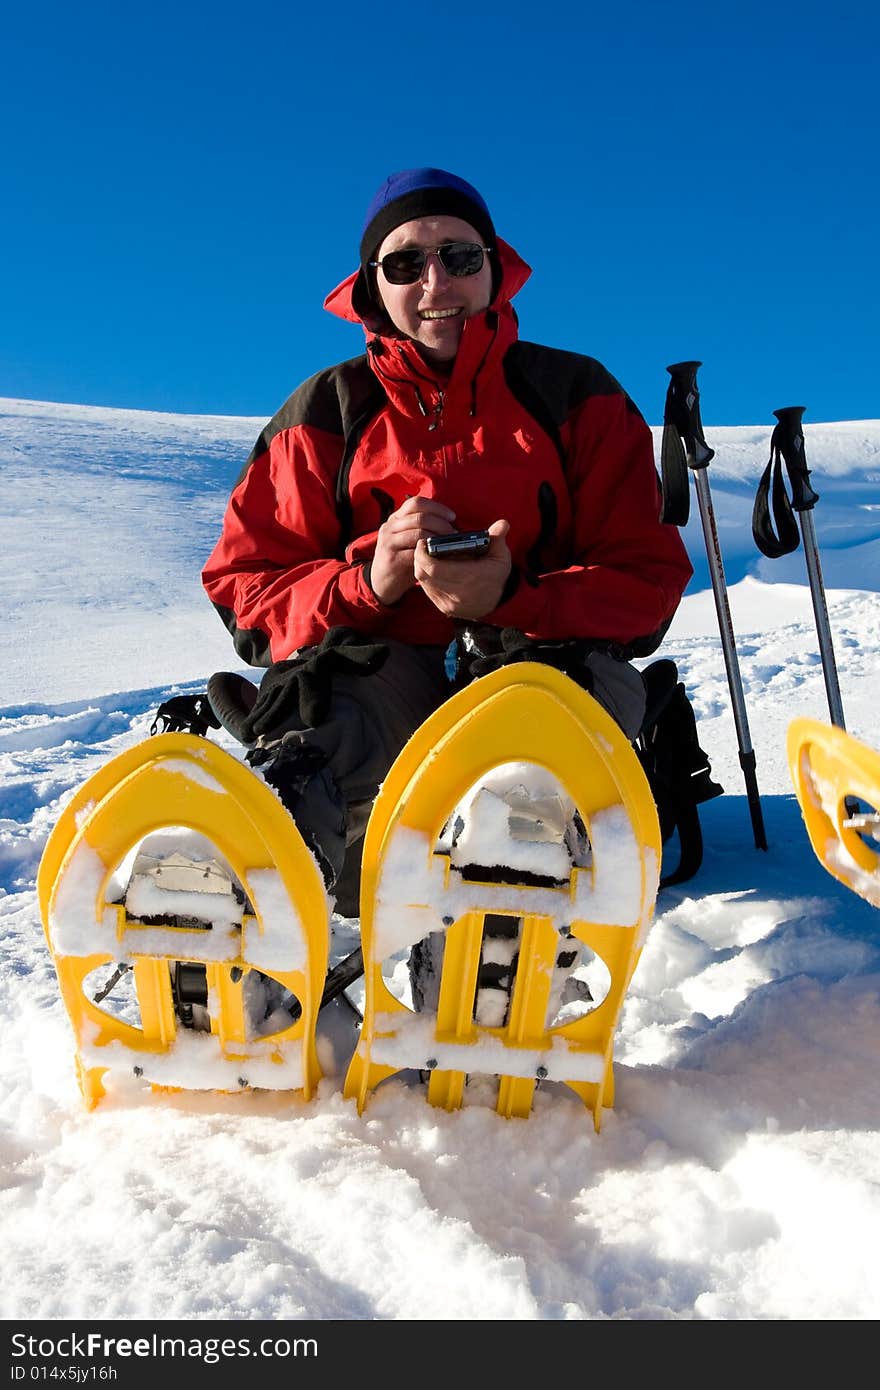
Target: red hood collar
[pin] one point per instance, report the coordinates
(514, 274)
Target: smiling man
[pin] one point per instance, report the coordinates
(454, 282)
(448, 423)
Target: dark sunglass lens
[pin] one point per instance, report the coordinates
(403, 267)
(461, 258)
(457, 258)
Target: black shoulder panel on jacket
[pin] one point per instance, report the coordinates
(251, 644)
(332, 400)
(551, 382)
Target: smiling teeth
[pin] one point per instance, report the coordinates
(439, 313)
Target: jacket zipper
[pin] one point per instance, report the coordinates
(438, 410)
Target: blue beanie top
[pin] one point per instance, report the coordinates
(422, 193)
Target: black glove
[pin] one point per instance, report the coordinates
(302, 686)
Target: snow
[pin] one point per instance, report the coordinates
(736, 1176)
(414, 892)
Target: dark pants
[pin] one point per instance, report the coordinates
(370, 720)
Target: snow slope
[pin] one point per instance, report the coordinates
(737, 1176)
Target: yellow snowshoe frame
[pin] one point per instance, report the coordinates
(830, 769)
(179, 780)
(522, 713)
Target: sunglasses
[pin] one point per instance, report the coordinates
(458, 258)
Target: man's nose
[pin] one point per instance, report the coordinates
(434, 272)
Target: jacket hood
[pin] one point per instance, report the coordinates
(514, 274)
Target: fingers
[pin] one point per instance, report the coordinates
(498, 551)
(462, 587)
(428, 510)
(392, 570)
(427, 504)
(415, 519)
(498, 544)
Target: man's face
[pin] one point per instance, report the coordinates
(432, 311)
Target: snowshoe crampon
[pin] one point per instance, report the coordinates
(177, 869)
(515, 830)
(837, 782)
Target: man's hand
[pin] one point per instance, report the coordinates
(392, 569)
(466, 588)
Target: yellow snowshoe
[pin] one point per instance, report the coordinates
(837, 782)
(514, 846)
(177, 868)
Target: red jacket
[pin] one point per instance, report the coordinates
(546, 439)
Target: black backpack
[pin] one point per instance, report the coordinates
(675, 765)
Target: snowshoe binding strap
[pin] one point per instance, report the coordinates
(184, 714)
(482, 648)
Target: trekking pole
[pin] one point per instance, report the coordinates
(684, 446)
(787, 444)
(342, 975)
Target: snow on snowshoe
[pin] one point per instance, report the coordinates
(514, 838)
(837, 782)
(188, 924)
(523, 807)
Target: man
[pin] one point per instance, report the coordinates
(448, 423)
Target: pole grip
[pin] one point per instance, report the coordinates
(683, 413)
(788, 438)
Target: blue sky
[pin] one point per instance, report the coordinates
(185, 182)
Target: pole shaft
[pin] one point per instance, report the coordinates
(682, 413)
(731, 662)
(747, 763)
(823, 626)
(342, 975)
(722, 608)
